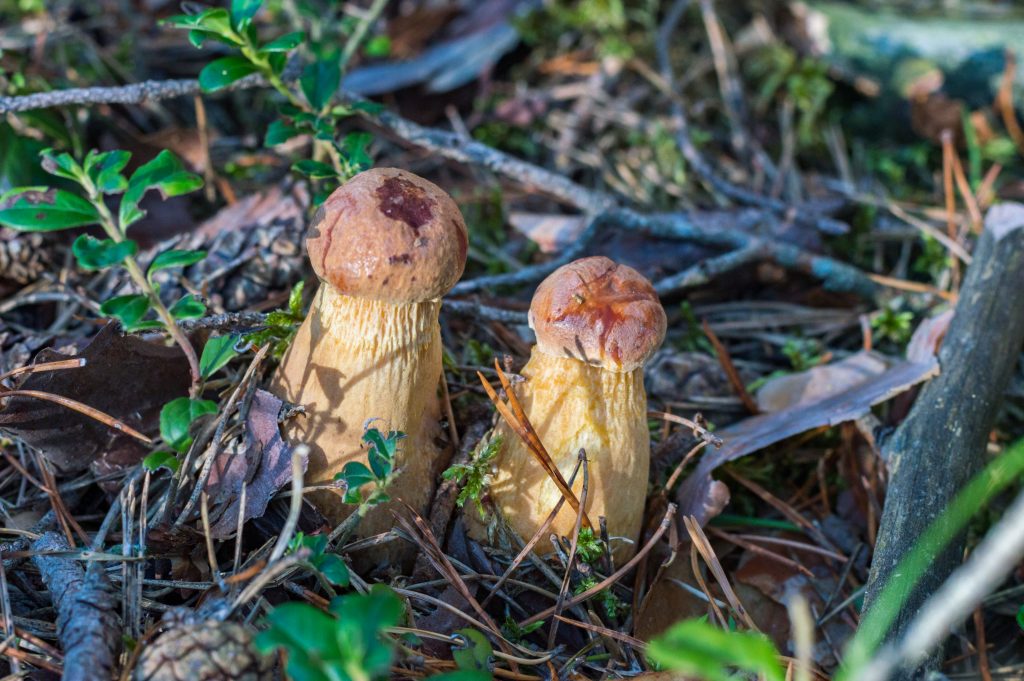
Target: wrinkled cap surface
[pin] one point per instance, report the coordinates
(389, 235)
(599, 312)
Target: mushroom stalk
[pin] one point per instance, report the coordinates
(573, 405)
(387, 245)
(597, 323)
(355, 359)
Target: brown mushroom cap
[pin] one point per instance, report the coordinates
(389, 235)
(599, 312)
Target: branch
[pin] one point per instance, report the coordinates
(602, 208)
(88, 626)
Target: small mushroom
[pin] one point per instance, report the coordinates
(386, 246)
(597, 323)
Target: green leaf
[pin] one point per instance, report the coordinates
(217, 352)
(355, 144)
(166, 174)
(378, 46)
(222, 72)
(696, 648)
(355, 474)
(295, 300)
(242, 12)
(38, 209)
(279, 132)
(1020, 617)
(177, 417)
(476, 654)
(163, 458)
(314, 169)
(61, 165)
(320, 81)
(96, 254)
(289, 41)
(333, 568)
(381, 450)
(174, 258)
(300, 627)
(128, 309)
(188, 307)
(104, 169)
(211, 23)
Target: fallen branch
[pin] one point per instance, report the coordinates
(88, 626)
(941, 444)
(603, 209)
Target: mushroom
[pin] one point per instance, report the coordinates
(597, 323)
(386, 246)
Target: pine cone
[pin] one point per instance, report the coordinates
(23, 256)
(205, 651)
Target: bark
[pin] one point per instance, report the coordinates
(941, 444)
(88, 625)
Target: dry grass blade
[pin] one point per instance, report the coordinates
(520, 424)
(666, 522)
(730, 369)
(420, 529)
(521, 556)
(571, 560)
(74, 405)
(698, 430)
(1004, 100)
(45, 366)
(713, 602)
(604, 631)
(760, 550)
(700, 541)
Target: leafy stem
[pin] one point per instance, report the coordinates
(113, 232)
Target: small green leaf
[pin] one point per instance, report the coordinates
(222, 72)
(177, 417)
(1020, 617)
(96, 254)
(163, 458)
(697, 648)
(128, 309)
(333, 568)
(378, 46)
(38, 209)
(217, 352)
(174, 258)
(288, 41)
(476, 654)
(314, 169)
(61, 165)
(320, 81)
(279, 132)
(104, 169)
(188, 307)
(369, 107)
(211, 23)
(166, 174)
(355, 145)
(463, 675)
(242, 12)
(295, 299)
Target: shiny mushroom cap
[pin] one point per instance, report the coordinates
(389, 235)
(598, 312)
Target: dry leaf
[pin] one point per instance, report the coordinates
(124, 377)
(264, 463)
(819, 382)
(758, 432)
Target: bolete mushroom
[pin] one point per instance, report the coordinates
(386, 246)
(597, 323)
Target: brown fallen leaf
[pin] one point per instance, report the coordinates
(264, 463)
(758, 432)
(819, 382)
(552, 232)
(124, 376)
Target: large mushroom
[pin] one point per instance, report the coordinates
(597, 323)
(386, 246)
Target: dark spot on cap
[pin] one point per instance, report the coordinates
(400, 199)
(404, 258)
